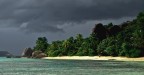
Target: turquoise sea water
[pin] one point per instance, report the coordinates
(24, 66)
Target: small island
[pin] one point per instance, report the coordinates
(5, 54)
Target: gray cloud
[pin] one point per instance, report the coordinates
(51, 15)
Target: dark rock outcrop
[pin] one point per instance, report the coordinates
(35, 53)
(41, 55)
(27, 52)
(38, 54)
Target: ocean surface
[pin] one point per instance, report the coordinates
(24, 66)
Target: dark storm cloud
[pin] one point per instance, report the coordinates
(50, 15)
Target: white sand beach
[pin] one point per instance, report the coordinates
(96, 58)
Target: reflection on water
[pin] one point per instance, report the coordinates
(24, 66)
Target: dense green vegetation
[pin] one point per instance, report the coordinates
(126, 39)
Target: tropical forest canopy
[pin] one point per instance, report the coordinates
(126, 39)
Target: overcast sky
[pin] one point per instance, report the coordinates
(23, 21)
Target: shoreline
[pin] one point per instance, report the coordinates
(94, 58)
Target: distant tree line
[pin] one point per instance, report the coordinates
(126, 39)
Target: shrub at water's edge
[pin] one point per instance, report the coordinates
(126, 39)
